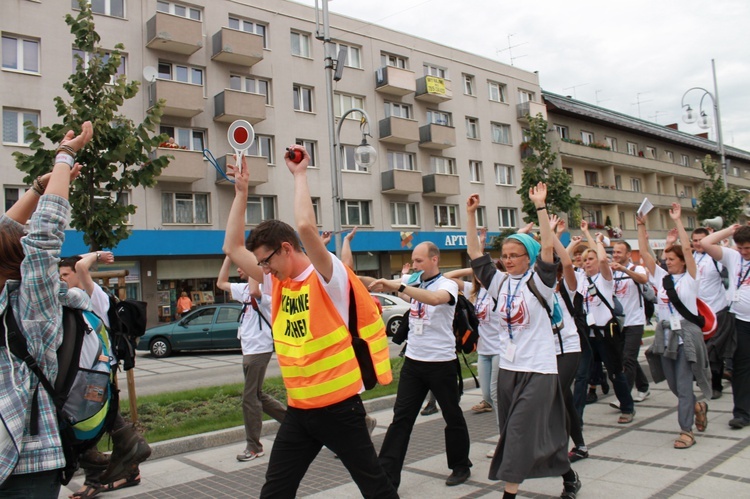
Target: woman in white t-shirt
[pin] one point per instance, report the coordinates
(678, 353)
(530, 407)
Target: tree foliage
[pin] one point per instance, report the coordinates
(538, 166)
(119, 156)
(716, 200)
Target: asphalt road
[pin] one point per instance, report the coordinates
(186, 370)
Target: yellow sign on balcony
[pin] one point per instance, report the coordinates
(435, 85)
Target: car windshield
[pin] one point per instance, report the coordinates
(201, 317)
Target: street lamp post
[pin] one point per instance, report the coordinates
(365, 154)
(702, 119)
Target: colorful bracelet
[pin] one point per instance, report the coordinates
(66, 158)
(36, 186)
(67, 149)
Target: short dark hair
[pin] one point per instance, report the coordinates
(700, 230)
(271, 234)
(11, 252)
(742, 235)
(70, 262)
(626, 244)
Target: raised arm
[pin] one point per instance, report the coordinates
(675, 214)
(569, 274)
(473, 247)
(458, 275)
(601, 255)
(83, 268)
(346, 249)
(425, 296)
(643, 243)
(585, 231)
(222, 282)
(712, 242)
(538, 196)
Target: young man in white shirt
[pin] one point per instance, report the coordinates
(430, 364)
(628, 278)
(722, 343)
(737, 262)
(257, 348)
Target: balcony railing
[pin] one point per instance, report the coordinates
(175, 34)
(433, 136)
(184, 100)
(395, 130)
(440, 185)
(401, 181)
(433, 89)
(231, 105)
(395, 81)
(237, 47)
(257, 168)
(187, 166)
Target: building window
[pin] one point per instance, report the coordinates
(472, 128)
(303, 98)
(86, 59)
(187, 138)
(259, 209)
(688, 192)
(446, 215)
(123, 199)
(670, 156)
(690, 222)
(401, 161)
(250, 27)
(252, 85)
(496, 91)
(468, 84)
(525, 96)
(353, 58)
(587, 137)
(475, 172)
(350, 165)
(439, 118)
(684, 160)
(569, 172)
(658, 187)
(444, 166)
(397, 110)
(618, 182)
(405, 214)
(507, 218)
(355, 213)
(344, 102)
(21, 54)
(622, 220)
(300, 44)
(316, 209)
(562, 131)
(650, 152)
(635, 184)
(179, 10)
(184, 208)
(114, 8)
(481, 216)
(181, 73)
(592, 178)
(611, 142)
(14, 131)
(312, 149)
(393, 60)
(503, 174)
(13, 194)
(632, 148)
(431, 70)
(591, 214)
(500, 133)
(263, 146)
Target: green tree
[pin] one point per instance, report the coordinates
(119, 156)
(716, 200)
(538, 166)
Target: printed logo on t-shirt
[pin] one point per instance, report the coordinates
(519, 312)
(291, 325)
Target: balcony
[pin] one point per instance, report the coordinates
(530, 108)
(395, 130)
(187, 166)
(440, 185)
(605, 195)
(184, 100)
(391, 80)
(237, 47)
(434, 136)
(257, 167)
(175, 34)
(231, 105)
(401, 182)
(433, 89)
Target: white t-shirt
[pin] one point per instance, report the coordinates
(489, 321)
(90, 345)
(711, 289)
(687, 291)
(627, 292)
(254, 334)
(100, 303)
(739, 280)
(437, 342)
(571, 342)
(592, 303)
(523, 317)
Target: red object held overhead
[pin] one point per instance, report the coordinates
(241, 135)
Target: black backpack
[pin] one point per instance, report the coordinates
(127, 322)
(465, 325)
(79, 395)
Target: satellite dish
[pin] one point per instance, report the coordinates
(149, 74)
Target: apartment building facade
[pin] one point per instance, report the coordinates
(445, 123)
(617, 160)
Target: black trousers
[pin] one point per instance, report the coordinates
(741, 372)
(567, 367)
(340, 427)
(417, 378)
(630, 342)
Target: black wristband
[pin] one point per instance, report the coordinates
(402, 288)
(540, 208)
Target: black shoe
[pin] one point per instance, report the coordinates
(577, 454)
(570, 489)
(429, 410)
(716, 394)
(457, 477)
(591, 397)
(738, 423)
(605, 388)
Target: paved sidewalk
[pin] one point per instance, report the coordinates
(635, 461)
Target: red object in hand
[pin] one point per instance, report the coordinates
(295, 155)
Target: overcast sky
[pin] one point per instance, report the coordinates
(598, 52)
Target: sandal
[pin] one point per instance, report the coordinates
(701, 416)
(122, 483)
(685, 440)
(88, 491)
(626, 417)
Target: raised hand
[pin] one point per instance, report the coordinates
(106, 257)
(671, 238)
(406, 268)
(584, 225)
(675, 211)
(241, 177)
(482, 233)
(300, 167)
(562, 226)
(326, 236)
(526, 229)
(351, 234)
(472, 203)
(553, 221)
(78, 141)
(538, 194)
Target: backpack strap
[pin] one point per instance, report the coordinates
(496, 299)
(254, 304)
(535, 291)
(606, 303)
(674, 299)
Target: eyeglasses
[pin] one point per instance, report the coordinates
(512, 257)
(267, 260)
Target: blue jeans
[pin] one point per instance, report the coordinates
(487, 366)
(42, 485)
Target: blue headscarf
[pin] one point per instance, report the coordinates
(532, 246)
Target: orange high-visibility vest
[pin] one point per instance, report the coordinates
(316, 357)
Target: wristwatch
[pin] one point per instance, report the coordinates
(402, 288)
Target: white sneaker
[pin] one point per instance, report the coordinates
(641, 396)
(491, 453)
(615, 404)
(248, 455)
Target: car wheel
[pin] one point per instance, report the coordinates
(393, 325)
(160, 348)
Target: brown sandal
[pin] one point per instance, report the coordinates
(626, 417)
(685, 440)
(701, 416)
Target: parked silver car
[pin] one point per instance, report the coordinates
(394, 309)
